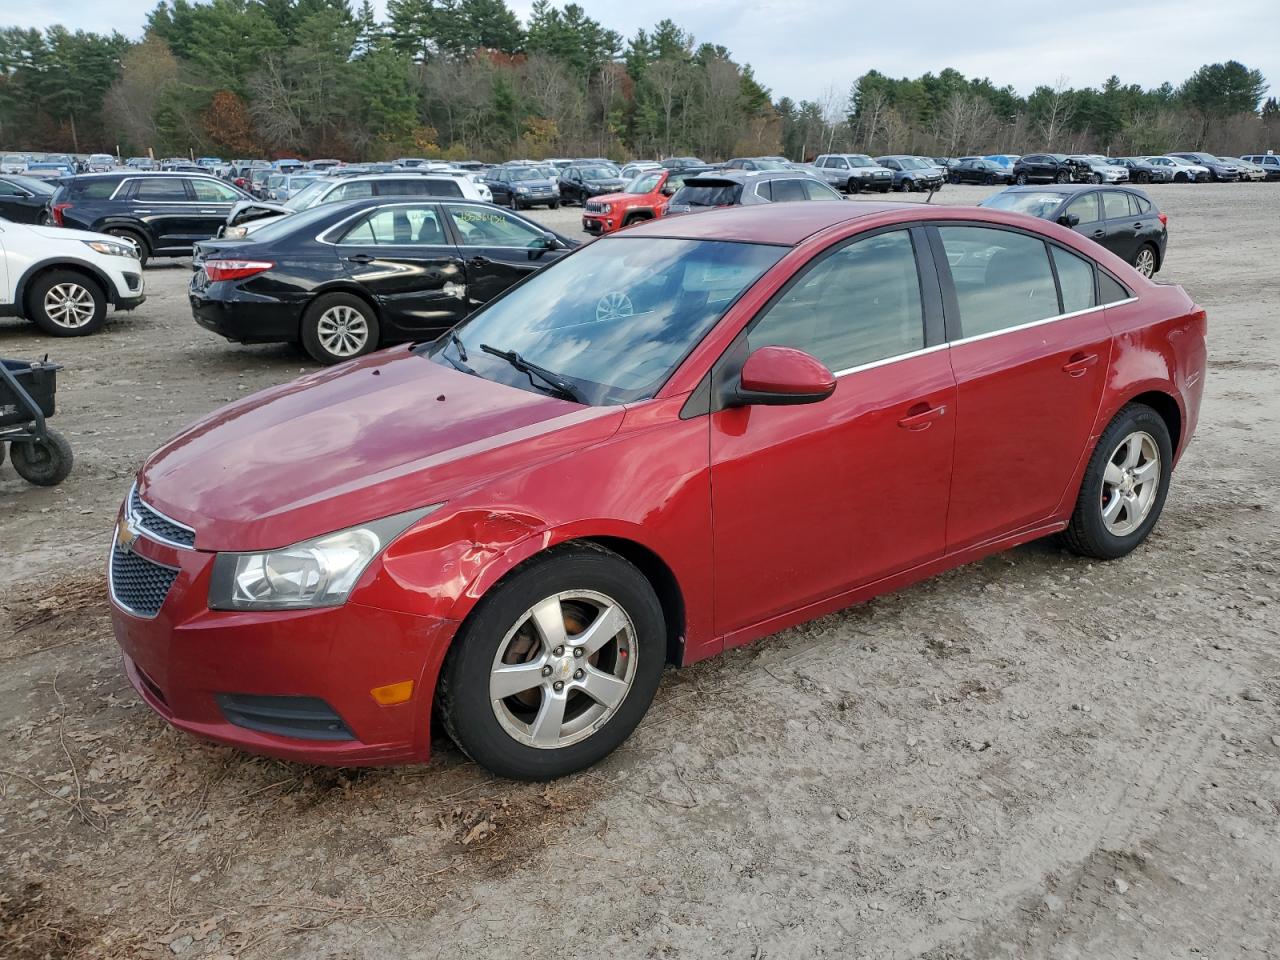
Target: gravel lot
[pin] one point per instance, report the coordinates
(1032, 757)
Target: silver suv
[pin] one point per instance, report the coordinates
(853, 172)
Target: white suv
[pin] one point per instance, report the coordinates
(250, 215)
(65, 280)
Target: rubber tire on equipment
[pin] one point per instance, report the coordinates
(463, 693)
(310, 335)
(37, 314)
(1085, 533)
(44, 464)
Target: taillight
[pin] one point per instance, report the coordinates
(1164, 219)
(58, 210)
(235, 269)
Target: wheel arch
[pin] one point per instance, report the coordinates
(1169, 410)
(41, 267)
(656, 570)
(341, 286)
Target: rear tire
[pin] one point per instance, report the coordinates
(43, 463)
(1063, 177)
(338, 327)
(1145, 262)
(553, 205)
(1020, 179)
(1108, 522)
(67, 303)
(500, 734)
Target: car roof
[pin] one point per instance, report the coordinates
(780, 223)
(1071, 188)
(749, 176)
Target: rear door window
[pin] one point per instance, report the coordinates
(1002, 279)
(162, 190)
(210, 191)
(1115, 205)
(400, 226)
(785, 191)
(709, 194)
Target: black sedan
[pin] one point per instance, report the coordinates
(345, 278)
(26, 199)
(1122, 219)
(1142, 171)
(985, 172)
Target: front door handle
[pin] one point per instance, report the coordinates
(1079, 364)
(1137, 226)
(360, 258)
(1099, 233)
(210, 211)
(921, 416)
(478, 262)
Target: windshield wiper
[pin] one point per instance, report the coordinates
(461, 362)
(554, 380)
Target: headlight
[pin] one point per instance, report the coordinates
(112, 248)
(606, 207)
(315, 573)
(522, 189)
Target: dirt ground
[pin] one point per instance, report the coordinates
(1032, 757)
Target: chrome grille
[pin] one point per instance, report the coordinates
(590, 207)
(151, 521)
(137, 584)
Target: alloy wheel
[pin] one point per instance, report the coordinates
(342, 331)
(563, 670)
(1145, 262)
(1130, 483)
(69, 305)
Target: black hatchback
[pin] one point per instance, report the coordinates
(1122, 219)
(345, 278)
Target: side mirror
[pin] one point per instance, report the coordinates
(548, 241)
(1068, 220)
(782, 376)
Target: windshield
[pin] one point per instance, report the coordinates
(598, 173)
(644, 183)
(306, 196)
(771, 164)
(275, 180)
(913, 163)
(861, 160)
(1039, 204)
(527, 173)
(615, 318)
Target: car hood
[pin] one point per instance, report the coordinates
(623, 195)
(62, 233)
(367, 439)
(610, 183)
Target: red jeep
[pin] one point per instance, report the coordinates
(645, 198)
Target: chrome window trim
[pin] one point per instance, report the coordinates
(189, 203)
(1038, 323)
(150, 534)
(975, 338)
(897, 358)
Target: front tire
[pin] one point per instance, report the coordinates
(555, 666)
(66, 303)
(1063, 177)
(1124, 486)
(338, 327)
(1020, 179)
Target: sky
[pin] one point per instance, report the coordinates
(805, 48)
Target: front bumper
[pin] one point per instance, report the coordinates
(198, 668)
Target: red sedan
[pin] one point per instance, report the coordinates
(676, 440)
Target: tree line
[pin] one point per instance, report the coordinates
(466, 79)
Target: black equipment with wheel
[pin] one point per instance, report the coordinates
(40, 455)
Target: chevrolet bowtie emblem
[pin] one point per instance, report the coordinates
(126, 536)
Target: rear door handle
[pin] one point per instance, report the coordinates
(210, 211)
(478, 262)
(1137, 226)
(917, 419)
(1099, 233)
(1079, 364)
(360, 258)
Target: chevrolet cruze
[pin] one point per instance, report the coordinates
(676, 440)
